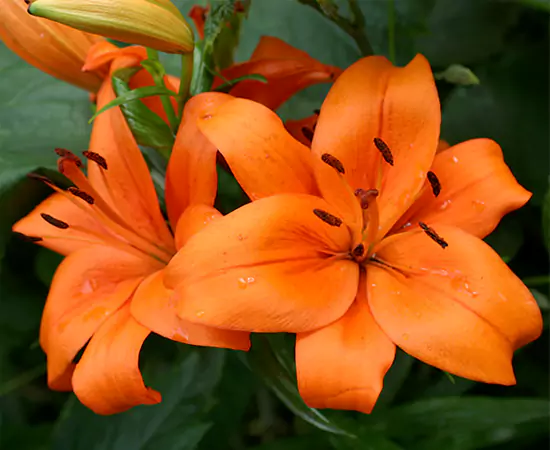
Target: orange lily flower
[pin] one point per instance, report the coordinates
(287, 69)
(109, 289)
(373, 241)
(56, 49)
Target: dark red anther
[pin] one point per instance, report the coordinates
(333, 162)
(433, 235)
(434, 182)
(308, 134)
(384, 150)
(358, 251)
(81, 194)
(54, 222)
(26, 238)
(97, 158)
(328, 218)
(66, 154)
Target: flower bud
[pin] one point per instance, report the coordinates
(55, 49)
(154, 23)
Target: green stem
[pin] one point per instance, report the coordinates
(22, 380)
(355, 27)
(153, 55)
(185, 80)
(540, 280)
(391, 30)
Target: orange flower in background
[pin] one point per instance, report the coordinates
(373, 241)
(109, 289)
(53, 48)
(287, 69)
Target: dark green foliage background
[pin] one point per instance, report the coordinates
(216, 399)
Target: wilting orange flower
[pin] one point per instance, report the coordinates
(374, 241)
(109, 289)
(51, 47)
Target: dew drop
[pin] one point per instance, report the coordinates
(461, 284)
(243, 283)
(445, 205)
(250, 280)
(455, 159)
(199, 313)
(478, 205)
(240, 237)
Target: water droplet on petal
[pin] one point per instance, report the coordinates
(455, 159)
(240, 237)
(445, 205)
(199, 313)
(478, 205)
(250, 280)
(243, 284)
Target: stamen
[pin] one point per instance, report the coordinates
(434, 182)
(64, 153)
(385, 150)
(27, 238)
(317, 111)
(37, 177)
(81, 194)
(333, 162)
(55, 222)
(97, 158)
(366, 197)
(308, 134)
(328, 218)
(358, 251)
(433, 235)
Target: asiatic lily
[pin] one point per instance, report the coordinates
(109, 289)
(56, 49)
(368, 241)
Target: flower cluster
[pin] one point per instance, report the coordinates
(363, 232)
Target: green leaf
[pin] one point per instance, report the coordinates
(543, 5)
(464, 423)
(546, 219)
(37, 114)
(148, 129)
(507, 238)
(133, 95)
(226, 87)
(177, 423)
(275, 369)
(511, 107)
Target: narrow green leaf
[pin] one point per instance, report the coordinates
(133, 95)
(177, 423)
(464, 423)
(546, 219)
(148, 129)
(226, 87)
(543, 5)
(272, 366)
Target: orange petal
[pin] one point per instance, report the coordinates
(460, 309)
(194, 219)
(477, 189)
(269, 266)
(302, 130)
(88, 287)
(107, 378)
(288, 70)
(372, 99)
(191, 177)
(154, 103)
(103, 53)
(198, 15)
(342, 365)
(126, 185)
(154, 307)
(64, 241)
(262, 155)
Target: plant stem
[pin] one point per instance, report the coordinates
(152, 54)
(355, 27)
(185, 80)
